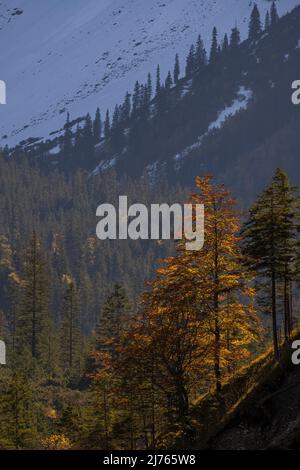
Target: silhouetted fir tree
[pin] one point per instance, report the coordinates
(87, 143)
(116, 118)
(113, 318)
(254, 24)
(169, 81)
(267, 21)
(70, 332)
(161, 101)
(286, 204)
(78, 148)
(33, 319)
(274, 15)
(136, 99)
(213, 57)
(97, 127)
(126, 108)
(145, 102)
(143, 97)
(176, 72)
(158, 82)
(190, 62)
(200, 55)
(116, 129)
(268, 240)
(225, 45)
(107, 126)
(235, 38)
(149, 87)
(67, 146)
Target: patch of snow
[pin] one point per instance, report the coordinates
(185, 153)
(55, 150)
(186, 88)
(104, 166)
(241, 102)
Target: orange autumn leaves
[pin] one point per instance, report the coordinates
(197, 319)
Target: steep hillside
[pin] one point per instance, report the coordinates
(76, 55)
(269, 418)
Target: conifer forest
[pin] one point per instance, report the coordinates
(141, 344)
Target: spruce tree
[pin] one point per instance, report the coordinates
(176, 72)
(225, 45)
(33, 318)
(214, 47)
(67, 147)
(200, 55)
(107, 126)
(274, 15)
(158, 82)
(149, 87)
(113, 318)
(136, 99)
(286, 203)
(87, 143)
(190, 62)
(97, 127)
(268, 241)
(169, 81)
(126, 108)
(235, 38)
(267, 21)
(70, 331)
(254, 24)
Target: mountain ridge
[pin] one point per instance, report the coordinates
(80, 55)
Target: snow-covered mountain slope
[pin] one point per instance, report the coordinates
(74, 55)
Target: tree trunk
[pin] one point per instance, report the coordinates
(182, 400)
(274, 317)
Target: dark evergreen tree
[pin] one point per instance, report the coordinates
(214, 47)
(254, 24)
(267, 21)
(286, 204)
(33, 321)
(149, 87)
(67, 147)
(225, 45)
(190, 62)
(176, 72)
(107, 126)
(70, 331)
(169, 81)
(158, 82)
(126, 109)
(113, 319)
(136, 99)
(269, 243)
(274, 15)
(235, 38)
(97, 127)
(87, 143)
(200, 55)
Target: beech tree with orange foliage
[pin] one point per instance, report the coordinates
(198, 315)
